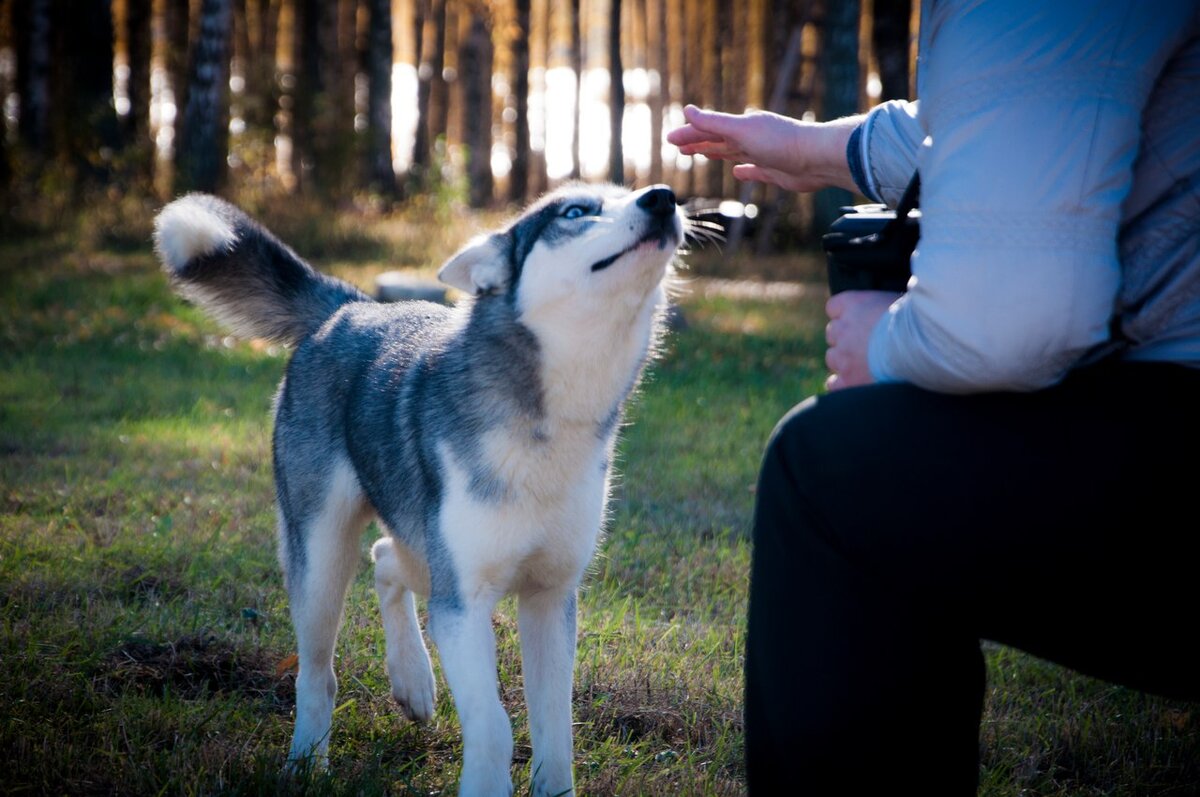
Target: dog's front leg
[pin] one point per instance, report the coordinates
(547, 624)
(466, 645)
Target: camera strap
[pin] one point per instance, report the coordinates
(908, 201)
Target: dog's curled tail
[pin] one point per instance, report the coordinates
(219, 258)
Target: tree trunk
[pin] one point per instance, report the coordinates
(715, 27)
(322, 135)
(82, 102)
(381, 175)
(577, 70)
(177, 15)
(693, 83)
(137, 123)
(475, 79)
(616, 95)
(260, 97)
(31, 28)
(420, 154)
(540, 177)
(200, 161)
(438, 105)
(676, 85)
(889, 35)
(656, 54)
(839, 66)
(350, 62)
(782, 17)
(518, 184)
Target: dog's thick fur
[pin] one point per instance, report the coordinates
(481, 435)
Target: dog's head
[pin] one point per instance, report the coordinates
(582, 245)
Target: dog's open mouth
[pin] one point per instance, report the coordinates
(663, 236)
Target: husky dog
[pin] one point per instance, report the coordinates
(480, 435)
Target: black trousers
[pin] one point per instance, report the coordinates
(895, 528)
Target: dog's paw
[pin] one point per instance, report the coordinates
(301, 766)
(413, 687)
(543, 789)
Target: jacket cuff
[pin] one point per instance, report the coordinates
(857, 160)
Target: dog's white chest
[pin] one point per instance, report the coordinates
(541, 527)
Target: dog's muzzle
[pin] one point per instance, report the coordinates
(659, 203)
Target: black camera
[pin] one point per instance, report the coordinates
(868, 248)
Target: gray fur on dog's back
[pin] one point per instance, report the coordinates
(387, 385)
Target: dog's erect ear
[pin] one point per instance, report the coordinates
(479, 267)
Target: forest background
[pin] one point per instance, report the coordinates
(145, 643)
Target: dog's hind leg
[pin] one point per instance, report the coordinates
(546, 620)
(409, 668)
(321, 557)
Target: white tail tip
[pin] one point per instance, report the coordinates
(186, 229)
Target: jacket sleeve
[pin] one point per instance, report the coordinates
(884, 149)
(1033, 111)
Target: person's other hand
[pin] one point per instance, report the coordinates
(852, 316)
(770, 148)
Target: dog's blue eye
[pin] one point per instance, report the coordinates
(574, 212)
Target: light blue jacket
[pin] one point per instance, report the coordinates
(1059, 149)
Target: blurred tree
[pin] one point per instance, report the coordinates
(839, 67)
(420, 151)
(257, 25)
(82, 112)
(576, 58)
(616, 95)
(438, 116)
(351, 59)
(31, 30)
(716, 24)
(890, 38)
(540, 31)
(475, 81)
(323, 137)
(136, 124)
(381, 175)
(200, 159)
(518, 178)
(656, 62)
(431, 100)
(691, 43)
(676, 85)
(782, 16)
(177, 54)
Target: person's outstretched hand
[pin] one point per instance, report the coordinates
(769, 148)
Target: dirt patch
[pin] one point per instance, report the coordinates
(637, 712)
(195, 666)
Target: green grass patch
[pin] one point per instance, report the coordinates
(144, 632)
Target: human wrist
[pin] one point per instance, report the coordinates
(831, 141)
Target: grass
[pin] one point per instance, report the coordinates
(144, 635)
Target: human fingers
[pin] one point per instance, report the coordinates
(715, 150)
(752, 172)
(688, 135)
(835, 306)
(730, 126)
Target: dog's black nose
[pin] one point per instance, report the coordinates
(658, 201)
